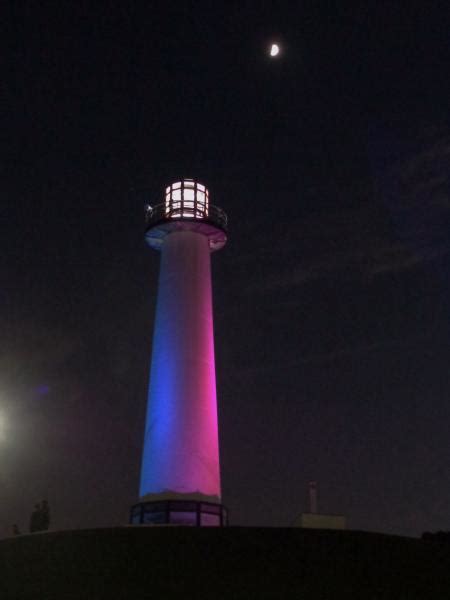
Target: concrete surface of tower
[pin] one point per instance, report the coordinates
(180, 472)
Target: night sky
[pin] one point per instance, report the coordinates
(331, 299)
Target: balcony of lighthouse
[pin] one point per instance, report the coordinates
(186, 207)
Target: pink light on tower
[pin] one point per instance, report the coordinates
(180, 472)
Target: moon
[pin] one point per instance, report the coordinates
(274, 50)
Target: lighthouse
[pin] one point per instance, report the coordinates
(180, 469)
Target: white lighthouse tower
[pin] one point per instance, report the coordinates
(180, 472)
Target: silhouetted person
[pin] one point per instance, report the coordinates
(15, 529)
(35, 519)
(45, 516)
(40, 517)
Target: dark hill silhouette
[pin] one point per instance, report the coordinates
(231, 563)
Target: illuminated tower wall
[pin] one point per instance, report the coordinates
(180, 473)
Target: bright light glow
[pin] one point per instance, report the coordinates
(187, 199)
(274, 50)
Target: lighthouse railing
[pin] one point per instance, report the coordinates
(176, 210)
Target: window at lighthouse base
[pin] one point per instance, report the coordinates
(183, 518)
(207, 520)
(179, 512)
(157, 518)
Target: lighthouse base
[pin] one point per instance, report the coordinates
(186, 513)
